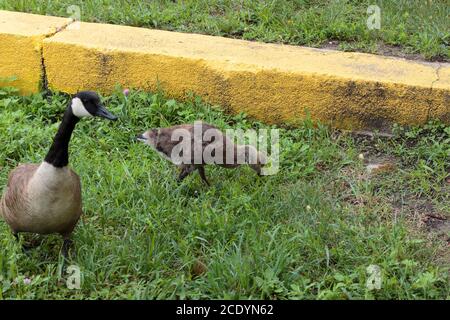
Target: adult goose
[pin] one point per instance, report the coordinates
(46, 198)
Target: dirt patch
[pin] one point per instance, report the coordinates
(426, 216)
(440, 225)
(421, 212)
(385, 50)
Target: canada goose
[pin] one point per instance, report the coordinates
(46, 198)
(166, 141)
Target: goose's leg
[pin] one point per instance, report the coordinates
(257, 169)
(185, 171)
(67, 244)
(201, 171)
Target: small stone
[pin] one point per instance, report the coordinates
(361, 156)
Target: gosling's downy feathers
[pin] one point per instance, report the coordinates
(166, 141)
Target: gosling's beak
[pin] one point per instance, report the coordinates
(102, 112)
(141, 137)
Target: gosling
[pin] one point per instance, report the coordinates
(191, 147)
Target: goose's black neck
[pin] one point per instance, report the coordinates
(58, 155)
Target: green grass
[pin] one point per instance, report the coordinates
(308, 232)
(415, 26)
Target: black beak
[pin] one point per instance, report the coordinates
(140, 137)
(102, 112)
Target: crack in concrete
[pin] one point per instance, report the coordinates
(438, 77)
(44, 80)
(430, 104)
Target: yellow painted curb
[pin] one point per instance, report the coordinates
(21, 37)
(273, 83)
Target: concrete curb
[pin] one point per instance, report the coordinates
(273, 83)
(21, 37)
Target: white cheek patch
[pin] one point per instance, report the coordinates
(78, 108)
